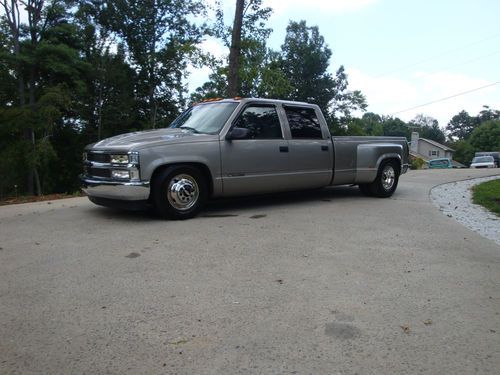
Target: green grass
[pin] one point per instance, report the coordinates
(487, 195)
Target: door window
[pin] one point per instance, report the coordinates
(261, 121)
(303, 122)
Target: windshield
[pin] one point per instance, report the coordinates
(483, 159)
(205, 118)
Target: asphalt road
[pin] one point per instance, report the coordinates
(326, 282)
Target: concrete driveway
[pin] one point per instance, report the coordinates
(326, 282)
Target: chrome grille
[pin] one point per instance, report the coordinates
(97, 165)
(99, 172)
(98, 157)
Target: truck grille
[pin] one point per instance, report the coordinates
(97, 165)
(99, 172)
(98, 157)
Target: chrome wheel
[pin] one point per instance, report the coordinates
(388, 177)
(183, 192)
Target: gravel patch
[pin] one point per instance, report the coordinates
(455, 201)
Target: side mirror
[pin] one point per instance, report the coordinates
(237, 133)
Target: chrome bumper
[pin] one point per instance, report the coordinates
(127, 191)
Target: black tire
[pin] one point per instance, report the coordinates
(387, 179)
(179, 192)
(365, 189)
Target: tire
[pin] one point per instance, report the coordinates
(387, 179)
(179, 192)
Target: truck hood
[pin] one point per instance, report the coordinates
(150, 137)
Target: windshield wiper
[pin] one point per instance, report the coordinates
(190, 128)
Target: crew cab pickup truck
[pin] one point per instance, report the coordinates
(236, 147)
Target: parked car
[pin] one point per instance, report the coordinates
(483, 162)
(494, 154)
(236, 147)
(442, 163)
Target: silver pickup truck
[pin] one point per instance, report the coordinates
(236, 147)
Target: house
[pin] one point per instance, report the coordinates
(428, 149)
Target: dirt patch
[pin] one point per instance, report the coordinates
(37, 198)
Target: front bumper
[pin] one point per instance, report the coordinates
(127, 191)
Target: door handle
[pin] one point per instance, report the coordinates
(324, 148)
(283, 148)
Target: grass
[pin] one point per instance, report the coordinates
(487, 195)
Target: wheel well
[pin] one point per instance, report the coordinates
(200, 166)
(396, 161)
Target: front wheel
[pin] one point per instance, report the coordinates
(386, 182)
(179, 192)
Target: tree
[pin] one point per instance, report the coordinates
(474, 134)
(373, 124)
(234, 54)
(464, 152)
(45, 62)
(428, 127)
(461, 126)
(395, 127)
(486, 137)
(254, 63)
(160, 41)
(108, 106)
(273, 82)
(305, 60)
(487, 114)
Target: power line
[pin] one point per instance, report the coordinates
(436, 56)
(447, 98)
(455, 65)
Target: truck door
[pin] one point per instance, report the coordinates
(259, 162)
(311, 153)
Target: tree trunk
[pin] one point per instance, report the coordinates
(34, 17)
(31, 135)
(234, 53)
(99, 111)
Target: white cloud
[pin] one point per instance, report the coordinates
(384, 95)
(388, 95)
(215, 47)
(333, 6)
(198, 76)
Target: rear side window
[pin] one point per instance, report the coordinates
(439, 162)
(262, 121)
(303, 122)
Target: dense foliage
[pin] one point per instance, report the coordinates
(74, 72)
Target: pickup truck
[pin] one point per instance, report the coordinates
(236, 147)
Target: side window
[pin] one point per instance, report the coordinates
(303, 122)
(262, 121)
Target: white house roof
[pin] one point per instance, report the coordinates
(436, 144)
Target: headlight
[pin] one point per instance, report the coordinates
(119, 159)
(133, 158)
(120, 174)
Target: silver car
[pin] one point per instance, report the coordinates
(483, 162)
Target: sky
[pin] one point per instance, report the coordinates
(399, 53)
